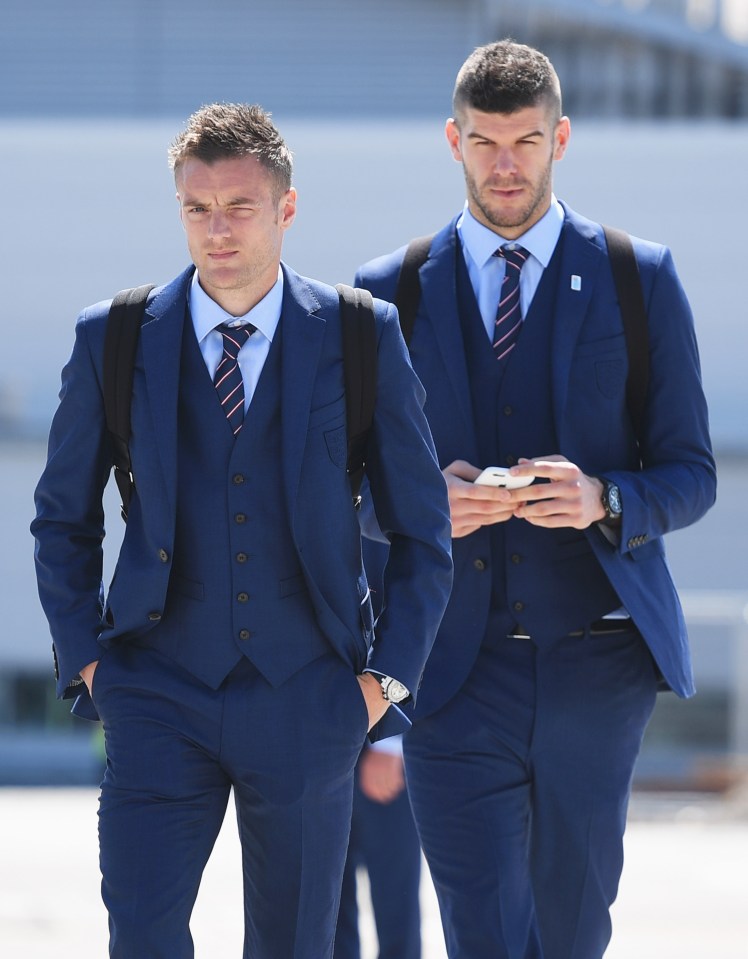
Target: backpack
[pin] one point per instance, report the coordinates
(359, 353)
(359, 369)
(630, 297)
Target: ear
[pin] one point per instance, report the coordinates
(561, 138)
(287, 208)
(452, 132)
(181, 211)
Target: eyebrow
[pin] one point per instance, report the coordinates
(477, 135)
(235, 201)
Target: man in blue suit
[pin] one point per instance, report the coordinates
(235, 647)
(563, 620)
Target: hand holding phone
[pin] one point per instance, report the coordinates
(500, 476)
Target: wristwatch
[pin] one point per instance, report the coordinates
(392, 690)
(611, 500)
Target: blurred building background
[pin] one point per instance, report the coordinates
(91, 93)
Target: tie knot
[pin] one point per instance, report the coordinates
(234, 337)
(516, 255)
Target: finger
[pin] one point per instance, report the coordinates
(550, 468)
(461, 469)
(540, 492)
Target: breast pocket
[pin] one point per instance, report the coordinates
(327, 432)
(601, 366)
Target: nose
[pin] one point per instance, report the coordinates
(219, 225)
(505, 163)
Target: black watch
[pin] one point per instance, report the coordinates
(611, 500)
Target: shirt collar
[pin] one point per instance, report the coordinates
(207, 314)
(540, 240)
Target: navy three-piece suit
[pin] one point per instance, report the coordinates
(521, 756)
(239, 612)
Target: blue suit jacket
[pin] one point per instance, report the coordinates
(677, 483)
(407, 488)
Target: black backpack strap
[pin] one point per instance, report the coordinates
(408, 293)
(360, 373)
(634, 313)
(120, 343)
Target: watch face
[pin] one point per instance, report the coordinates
(394, 691)
(614, 500)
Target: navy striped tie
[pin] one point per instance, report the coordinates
(508, 315)
(228, 377)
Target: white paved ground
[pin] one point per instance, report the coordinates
(684, 893)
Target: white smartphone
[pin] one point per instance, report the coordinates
(499, 476)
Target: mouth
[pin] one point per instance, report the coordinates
(220, 256)
(506, 193)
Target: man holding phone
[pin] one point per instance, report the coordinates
(563, 620)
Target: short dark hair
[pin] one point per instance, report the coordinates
(504, 77)
(221, 131)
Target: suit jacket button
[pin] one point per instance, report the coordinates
(479, 564)
(163, 556)
(154, 617)
(238, 479)
(243, 597)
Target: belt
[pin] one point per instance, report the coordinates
(600, 627)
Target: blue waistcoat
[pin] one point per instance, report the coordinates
(545, 581)
(236, 573)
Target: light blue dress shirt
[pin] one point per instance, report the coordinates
(486, 271)
(207, 314)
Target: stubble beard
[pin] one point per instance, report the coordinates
(500, 218)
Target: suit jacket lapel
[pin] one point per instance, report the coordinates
(302, 335)
(439, 294)
(581, 256)
(161, 339)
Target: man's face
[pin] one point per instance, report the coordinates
(234, 221)
(508, 162)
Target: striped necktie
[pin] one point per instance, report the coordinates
(508, 315)
(228, 377)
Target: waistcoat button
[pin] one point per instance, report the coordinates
(241, 557)
(243, 634)
(479, 564)
(241, 518)
(518, 607)
(242, 597)
(516, 559)
(238, 479)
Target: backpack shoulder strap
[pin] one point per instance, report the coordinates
(360, 373)
(634, 313)
(408, 292)
(120, 343)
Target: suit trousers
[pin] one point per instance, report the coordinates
(385, 842)
(520, 786)
(175, 748)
